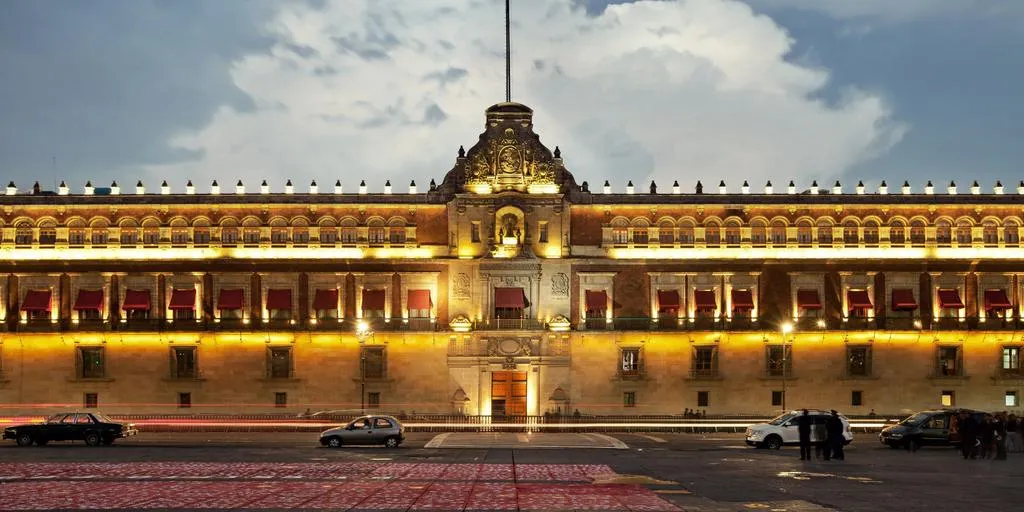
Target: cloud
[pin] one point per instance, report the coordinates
(377, 89)
(890, 10)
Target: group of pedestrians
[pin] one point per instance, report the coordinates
(828, 436)
(987, 436)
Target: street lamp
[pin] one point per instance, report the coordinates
(363, 333)
(785, 329)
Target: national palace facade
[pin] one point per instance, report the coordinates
(509, 288)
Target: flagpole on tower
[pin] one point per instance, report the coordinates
(508, 54)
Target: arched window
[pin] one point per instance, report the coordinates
(396, 231)
(824, 233)
(850, 233)
(713, 235)
(151, 233)
(686, 235)
(666, 233)
(778, 233)
(47, 233)
(376, 232)
(23, 234)
(871, 233)
(349, 231)
(943, 232)
(758, 233)
(990, 233)
(917, 233)
(1011, 233)
(804, 235)
(76, 233)
(963, 233)
(732, 235)
(620, 232)
(897, 233)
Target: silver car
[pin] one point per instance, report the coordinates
(385, 430)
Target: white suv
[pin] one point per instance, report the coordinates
(783, 430)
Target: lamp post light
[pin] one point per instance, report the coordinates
(363, 333)
(785, 329)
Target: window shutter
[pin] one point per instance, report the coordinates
(291, 363)
(173, 366)
(79, 370)
(270, 363)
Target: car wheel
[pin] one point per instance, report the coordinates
(391, 442)
(24, 440)
(334, 442)
(773, 442)
(92, 439)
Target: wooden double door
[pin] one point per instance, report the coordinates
(508, 393)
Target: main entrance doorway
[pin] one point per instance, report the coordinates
(508, 394)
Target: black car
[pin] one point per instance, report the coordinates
(93, 428)
(927, 428)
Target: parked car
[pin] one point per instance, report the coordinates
(92, 427)
(926, 428)
(385, 430)
(782, 430)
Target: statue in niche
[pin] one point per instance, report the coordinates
(510, 228)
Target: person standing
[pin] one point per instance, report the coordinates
(999, 435)
(968, 428)
(1013, 437)
(803, 425)
(834, 428)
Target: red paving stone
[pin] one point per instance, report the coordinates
(318, 486)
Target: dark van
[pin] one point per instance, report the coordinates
(927, 428)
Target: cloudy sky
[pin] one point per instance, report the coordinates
(375, 89)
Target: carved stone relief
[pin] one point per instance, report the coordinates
(461, 286)
(560, 285)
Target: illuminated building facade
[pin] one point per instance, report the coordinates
(509, 288)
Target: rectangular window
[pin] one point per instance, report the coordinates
(1010, 399)
(948, 398)
(91, 400)
(201, 237)
(776, 398)
(640, 236)
(858, 361)
(279, 364)
(949, 362)
(179, 237)
(328, 236)
(280, 399)
(705, 361)
(542, 229)
(374, 363)
(396, 235)
(183, 363)
(377, 236)
(251, 236)
(151, 236)
(629, 362)
(373, 400)
(857, 398)
(184, 400)
(629, 399)
(474, 233)
(184, 314)
(300, 236)
(229, 237)
(349, 236)
(703, 398)
(91, 363)
(779, 360)
(1011, 359)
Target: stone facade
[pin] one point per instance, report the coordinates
(510, 289)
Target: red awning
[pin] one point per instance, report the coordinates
(279, 300)
(808, 299)
(742, 300)
(668, 299)
(596, 300)
(513, 298)
(419, 299)
(36, 300)
(705, 299)
(858, 299)
(950, 299)
(183, 299)
(325, 300)
(136, 300)
(373, 300)
(997, 299)
(89, 300)
(231, 299)
(903, 300)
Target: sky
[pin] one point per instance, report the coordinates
(667, 90)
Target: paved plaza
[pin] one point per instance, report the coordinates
(616, 472)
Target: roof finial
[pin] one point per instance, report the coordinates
(508, 54)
